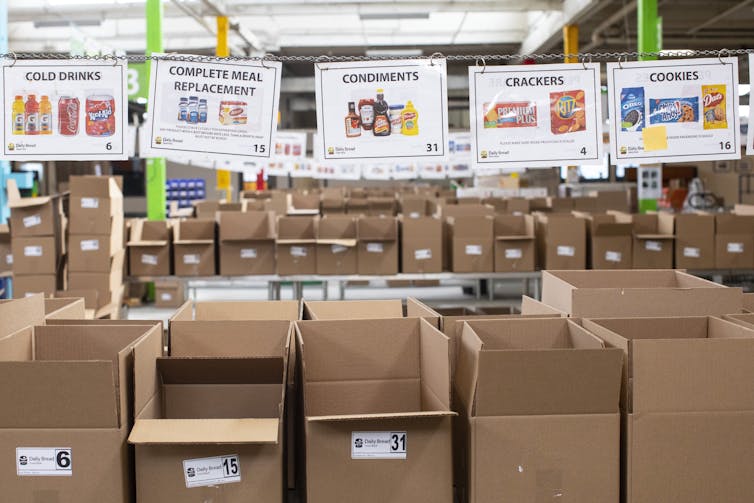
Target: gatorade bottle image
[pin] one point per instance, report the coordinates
(45, 116)
(31, 116)
(410, 118)
(18, 115)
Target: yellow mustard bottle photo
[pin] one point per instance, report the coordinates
(410, 118)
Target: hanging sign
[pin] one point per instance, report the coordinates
(674, 111)
(65, 109)
(290, 145)
(218, 109)
(382, 110)
(535, 115)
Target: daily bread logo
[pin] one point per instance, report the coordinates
(358, 443)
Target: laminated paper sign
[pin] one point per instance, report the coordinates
(382, 110)
(217, 109)
(64, 109)
(535, 115)
(674, 111)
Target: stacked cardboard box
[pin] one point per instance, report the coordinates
(149, 248)
(37, 227)
(247, 242)
(297, 245)
(653, 239)
(96, 253)
(421, 245)
(194, 247)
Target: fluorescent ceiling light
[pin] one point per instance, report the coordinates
(380, 16)
(406, 53)
(64, 23)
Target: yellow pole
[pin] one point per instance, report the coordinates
(223, 51)
(571, 42)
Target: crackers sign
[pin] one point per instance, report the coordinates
(535, 115)
(216, 109)
(674, 111)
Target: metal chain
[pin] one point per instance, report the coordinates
(585, 56)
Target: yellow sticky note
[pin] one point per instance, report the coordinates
(655, 138)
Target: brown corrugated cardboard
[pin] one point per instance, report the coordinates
(6, 255)
(376, 411)
(686, 396)
(336, 245)
(149, 248)
(369, 309)
(610, 242)
(695, 241)
(107, 284)
(247, 243)
(421, 245)
(616, 200)
(194, 248)
(531, 306)
(206, 209)
(33, 216)
(297, 245)
(93, 253)
(636, 293)
(28, 284)
(35, 255)
(471, 243)
(64, 309)
(539, 396)
(518, 205)
(734, 241)
(91, 377)
(169, 294)
(514, 243)
(560, 204)
(378, 245)
(748, 302)
(414, 206)
(382, 206)
(90, 296)
(302, 204)
(561, 240)
(653, 241)
(96, 205)
(21, 313)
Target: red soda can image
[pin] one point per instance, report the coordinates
(68, 116)
(100, 115)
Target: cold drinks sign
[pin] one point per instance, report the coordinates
(215, 109)
(382, 110)
(61, 109)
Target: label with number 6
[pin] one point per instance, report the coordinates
(379, 444)
(44, 462)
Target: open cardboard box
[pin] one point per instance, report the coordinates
(695, 241)
(514, 243)
(378, 245)
(194, 247)
(561, 241)
(96, 206)
(368, 309)
(610, 242)
(297, 245)
(376, 397)
(734, 241)
(34, 216)
(149, 248)
(636, 293)
(539, 412)
(247, 242)
(65, 309)
(421, 244)
(688, 407)
(336, 245)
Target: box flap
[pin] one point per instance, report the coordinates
(353, 309)
(94, 186)
(377, 229)
(249, 310)
(531, 306)
(213, 370)
(243, 226)
(363, 417)
(16, 201)
(205, 431)
(19, 313)
(297, 229)
(229, 338)
(194, 231)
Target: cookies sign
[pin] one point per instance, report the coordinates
(674, 111)
(535, 115)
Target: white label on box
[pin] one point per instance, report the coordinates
(414, 214)
(32, 251)
(299, 251)
(513, 253)
(613, 256)
(166, 297)
(655, 246)
(9, 259)
(248, 253)
(375, 247)
(191, 259)
(206, 472)
(89, 203)
(378, 444)
(32, 221)
(44, 462)
(423, 254)
(473, 249)
(338, 248)
(566, 251)
(90, 245)
(735, 248)
(691, 252)
(149, 259)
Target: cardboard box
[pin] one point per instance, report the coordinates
(106, 284)
(85, 374)
(422, 245)
(653, 241)
(35, 255)
(206, 209)
(541, 395)
(383, 425)
(6, 254)
(518, 206)
(514, 243)
(297, 245)
(531, 306)
(686, 396)
(18, 314)
(586, 204)
(194, 248)
(93, 253)
(33, 216)
(247, 243)
(149, 248)
(369, 310)
(239, 310)
(560, 204)
(29, 284)
(378, 245)
(636, 293)
(169, 294)
(414, 206)
(734, 241)
(471, 243)
(382, 206)
(90, 296)
(610, 242)
(303, 204)
(333, 205)
(561, 240)
(96, 206)
(695, 241)
(357, 205)
(336, 245)
(65, 309)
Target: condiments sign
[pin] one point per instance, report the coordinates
(535, 115)
(61, 109)
(674, 111)
(382, 110)
(217, 109)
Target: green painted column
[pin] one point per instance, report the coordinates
(649, 39)
(156, 169)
